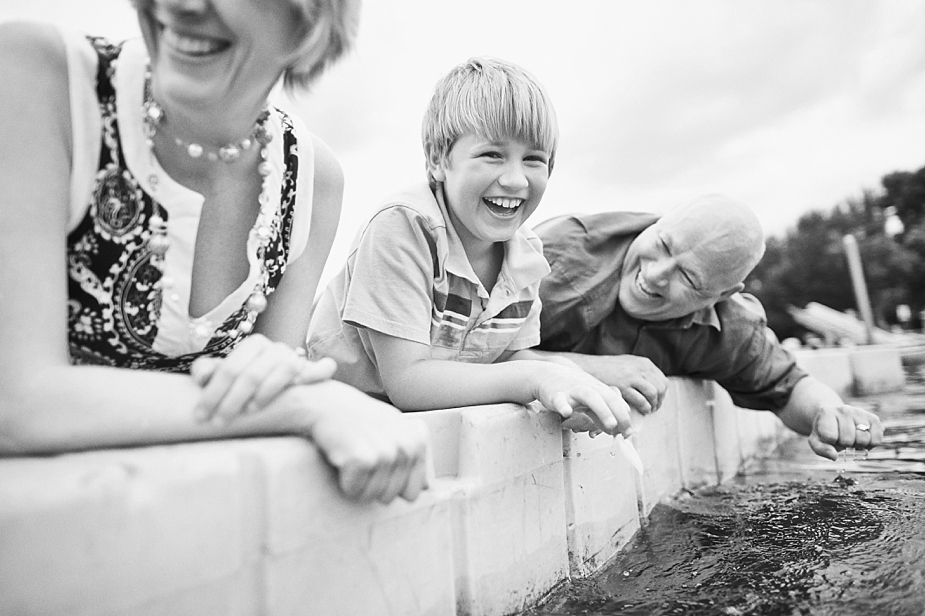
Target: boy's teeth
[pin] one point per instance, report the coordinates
(504, 202)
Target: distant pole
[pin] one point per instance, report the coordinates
(860, 287)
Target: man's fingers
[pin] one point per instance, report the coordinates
(637, 401)
(876, 432)
(822, 448)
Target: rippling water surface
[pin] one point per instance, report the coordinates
(793, 535)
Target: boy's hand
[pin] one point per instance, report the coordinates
(252, 375)
(565, 390)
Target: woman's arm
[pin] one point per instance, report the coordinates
(259, 371)
(49, 406)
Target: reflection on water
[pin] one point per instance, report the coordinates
(793, 535)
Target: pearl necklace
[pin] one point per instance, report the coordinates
(266, 227)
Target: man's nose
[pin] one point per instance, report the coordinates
(659, 271)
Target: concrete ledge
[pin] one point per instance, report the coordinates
(830, 366)
(860, 370)
(258, 526)
(877, 369)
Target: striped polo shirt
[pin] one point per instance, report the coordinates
(407, 275)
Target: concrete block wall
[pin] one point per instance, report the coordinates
(258, 526)
(859, 370)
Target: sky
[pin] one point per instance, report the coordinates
(787, 105)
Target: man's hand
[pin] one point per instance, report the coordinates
(642, 384)
(639, 381)
(840, 426)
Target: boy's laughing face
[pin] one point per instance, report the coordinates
(491, 187)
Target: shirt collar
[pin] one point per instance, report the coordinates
(704, 316)
(527, 256)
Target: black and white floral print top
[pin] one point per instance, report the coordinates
(120, 311)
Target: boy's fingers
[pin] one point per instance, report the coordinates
(560, 404)
(600, 412)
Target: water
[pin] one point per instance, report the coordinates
(794, 534)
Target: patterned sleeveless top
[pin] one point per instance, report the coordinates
(114, 299)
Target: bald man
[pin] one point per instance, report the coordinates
(633, 297)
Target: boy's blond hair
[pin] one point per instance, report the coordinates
(494, 99)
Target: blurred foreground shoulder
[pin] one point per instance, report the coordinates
(31, 53)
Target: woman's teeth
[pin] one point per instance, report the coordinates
(194, 46)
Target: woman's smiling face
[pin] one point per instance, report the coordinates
(207, 51)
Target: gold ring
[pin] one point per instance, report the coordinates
(863, 427)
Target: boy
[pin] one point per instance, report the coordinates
(438, 301)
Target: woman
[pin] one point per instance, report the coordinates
(157, 217)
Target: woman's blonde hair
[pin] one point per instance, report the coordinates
(327, 30)
(494, 99)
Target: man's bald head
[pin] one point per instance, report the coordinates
(694, 256)
(726, 232)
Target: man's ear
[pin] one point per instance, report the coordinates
(731, 291)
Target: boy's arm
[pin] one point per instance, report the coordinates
(414, 381)
(641, 383)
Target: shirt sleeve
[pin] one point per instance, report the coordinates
(391, 275)
(757, 371)
(563, 320)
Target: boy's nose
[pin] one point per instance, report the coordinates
(514, 177)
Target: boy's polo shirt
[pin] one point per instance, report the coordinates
(408, 276)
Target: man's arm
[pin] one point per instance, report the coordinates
(641, 383)
(816, 411)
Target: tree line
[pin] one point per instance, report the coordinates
(808, 264)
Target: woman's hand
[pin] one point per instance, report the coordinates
(567, 389)
(379, 453)
(252, 375)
